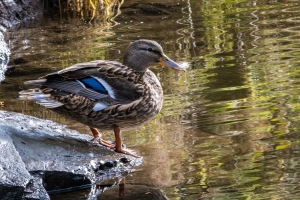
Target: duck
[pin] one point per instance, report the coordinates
(107, 95)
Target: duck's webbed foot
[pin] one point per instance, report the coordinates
(106, 143)
(97, 137)
(126, 152)
(119, 145)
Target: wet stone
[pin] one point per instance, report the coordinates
(4, 57)
(125, 160)
(14, 12)
(35, 189)
(106, 165)
(53, 180)
(13, 15)
(110, 164)
(42, 155)
(15, 180)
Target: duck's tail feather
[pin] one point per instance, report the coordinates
(36, 82)
(37, 95)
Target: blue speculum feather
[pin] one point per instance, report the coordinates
(94, 84)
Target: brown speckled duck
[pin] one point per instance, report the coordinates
(107, 94)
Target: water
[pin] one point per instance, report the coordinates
(229, 128)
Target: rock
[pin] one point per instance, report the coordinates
(35, 189)
(14, 177)
(4, 57)
(13, 14)
(41, 154)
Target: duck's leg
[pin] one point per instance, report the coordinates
(97, 136)
(119, 148)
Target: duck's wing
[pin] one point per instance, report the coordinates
(103, 81)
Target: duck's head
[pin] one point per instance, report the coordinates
(142, 54)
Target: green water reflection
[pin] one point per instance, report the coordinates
(229, 128)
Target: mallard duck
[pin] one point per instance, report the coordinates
(105, 94)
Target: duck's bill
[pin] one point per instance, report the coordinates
(167, 62)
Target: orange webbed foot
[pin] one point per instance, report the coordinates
(126, 153)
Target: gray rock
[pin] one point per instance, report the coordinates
(35, 189)
(13, 174)
(13, 14)
(41, 154)
(4, 57)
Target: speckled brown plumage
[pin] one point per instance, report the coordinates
(147, 103)
(106, 94)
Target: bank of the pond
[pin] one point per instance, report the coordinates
(14, 14)
(39, 155)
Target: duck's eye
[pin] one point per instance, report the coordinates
(150, 49)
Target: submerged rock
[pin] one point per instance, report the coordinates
(39, 155)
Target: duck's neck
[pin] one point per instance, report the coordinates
(135, 63)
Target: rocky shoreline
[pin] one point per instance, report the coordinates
(40, 155)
